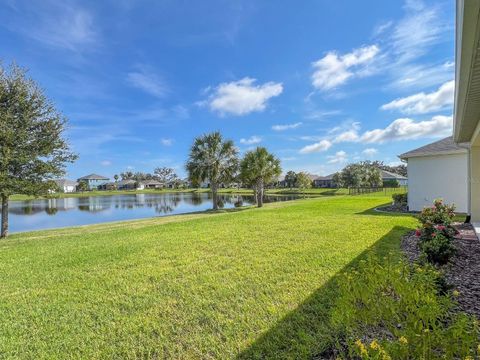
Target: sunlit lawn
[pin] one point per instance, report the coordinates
(194, 286)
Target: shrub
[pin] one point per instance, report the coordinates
(389, 309)
(438, 249)
(436, 233)
(391, 183)
(438, 213)
(400, 199)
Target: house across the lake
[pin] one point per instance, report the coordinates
(324, 181)
(66, 186)
(388, 176)
(93, 181)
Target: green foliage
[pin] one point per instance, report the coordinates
(400, 199)
(33, 150)
(438, 249)
(290, 179)
(214, 159)
(362, 174)
(436, 233)
(303, 181)
(437, 214)
(393, 183)
(82, 186)
(388, 309)
(257, 168)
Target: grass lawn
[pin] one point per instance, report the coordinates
(250, 283)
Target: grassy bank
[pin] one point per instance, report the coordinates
(250, 283)
(286, 191)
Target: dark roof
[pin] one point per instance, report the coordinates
(151, 182)
(390, 175)
(94, 177)
(65, 182)
(328, 177)
(444, 146)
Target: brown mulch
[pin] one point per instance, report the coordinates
(463, 272)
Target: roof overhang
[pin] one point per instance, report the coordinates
(467, 72)
(429, 154)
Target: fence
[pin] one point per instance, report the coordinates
(385, 190)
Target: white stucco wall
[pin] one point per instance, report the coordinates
(439, 176)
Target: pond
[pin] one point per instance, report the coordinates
(55, 213)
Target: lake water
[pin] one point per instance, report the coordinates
(55, 213)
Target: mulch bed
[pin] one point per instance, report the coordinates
(463, 272)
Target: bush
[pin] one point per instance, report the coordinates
(400, 199)
(389, 309)
(436, 233)
(438, 249)
(391, 183)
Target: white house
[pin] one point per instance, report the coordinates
(457, 174)
(437, 170)
(67, 186)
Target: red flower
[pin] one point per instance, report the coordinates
(418, 232)
(440, 227)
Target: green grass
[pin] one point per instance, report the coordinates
(250, 283)
(286, 191)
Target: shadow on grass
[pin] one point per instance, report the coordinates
(306, 333)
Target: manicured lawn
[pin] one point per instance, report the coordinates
(250, 283)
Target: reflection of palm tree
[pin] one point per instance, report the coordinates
(51, 210)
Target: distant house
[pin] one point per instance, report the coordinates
(130, 185)
(390, 176)
(324, 182)
(438, 170)
(93, 181)
(67, 186)
(152, 184)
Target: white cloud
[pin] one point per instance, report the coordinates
(334, 70)
(422, 103)
(251, 140)
(106, 163)
(406, 129)
(146, 79)
(166, 142)
(286, 126)
(322, 145)
(243, 96)
(370, 152)
(339, 157)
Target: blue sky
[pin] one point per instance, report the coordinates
(319, 83)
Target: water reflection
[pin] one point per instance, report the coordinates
(52, 213)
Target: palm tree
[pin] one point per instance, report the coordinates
(257, 168)
(214, 159)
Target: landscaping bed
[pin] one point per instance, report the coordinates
(462, 273)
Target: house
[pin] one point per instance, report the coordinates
(130, 184)
(390, 176)
(437, 170)
(324, 182)
(452, 168)
(152, 184)
(93, 181)
(66, 186)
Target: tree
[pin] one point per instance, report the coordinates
(166, 175)
(303, 181)
(214, 159)
(33, 151)
(291, 179)
(82, 186)
(337, 180)
(361, 174)
(116, 177)
(257, 168)
(127, 175)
